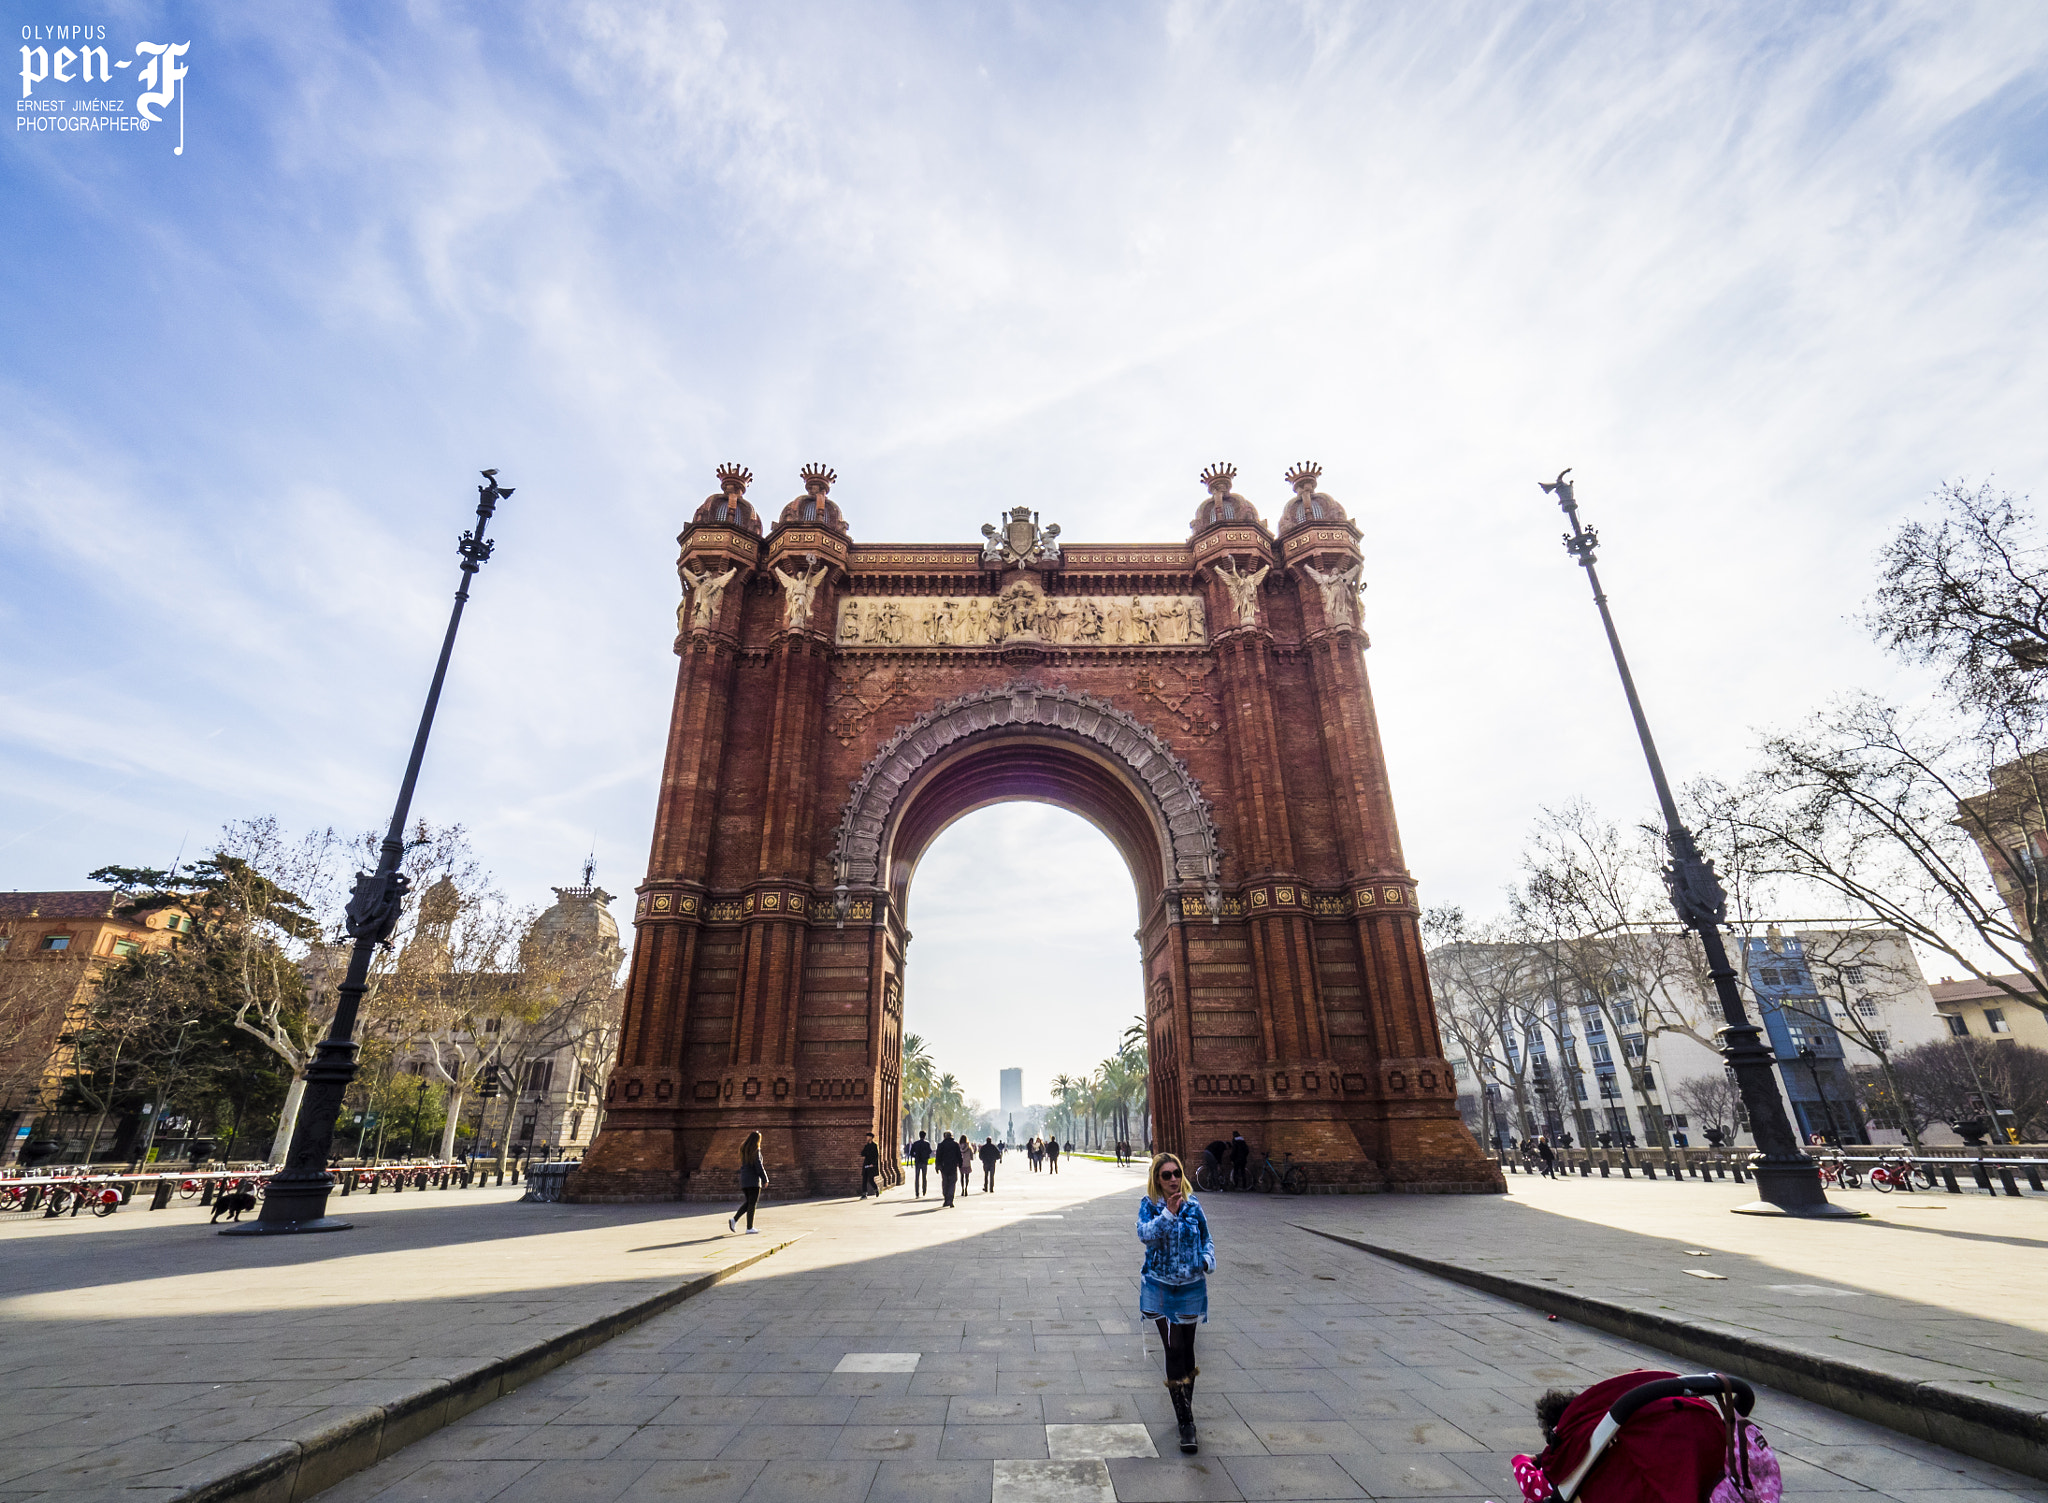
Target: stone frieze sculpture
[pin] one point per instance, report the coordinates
(1022, 614)
(709, 591)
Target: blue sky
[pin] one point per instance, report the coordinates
(1764, 275)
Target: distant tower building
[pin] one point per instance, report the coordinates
(1013, 1090)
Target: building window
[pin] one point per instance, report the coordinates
(1602, 1055)
(1957, 1024)
(527, 1124)
(1880, 1039)
(1853, 974)
(56, 941)
(1595, 1024)
(1624, 1010)
(125, 947)
(1645, 1081)
(1994, 1020)
(1866, 1006)
(539, 1074)
(575, 1126)
(1632, 1045)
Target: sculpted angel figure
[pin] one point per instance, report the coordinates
(800, 590)
(709, 589)
(1244, 589)
(1340, 592)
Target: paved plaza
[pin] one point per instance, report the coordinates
(892, 1350)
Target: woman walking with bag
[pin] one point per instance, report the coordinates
(1173, 1291)
(753, 1175)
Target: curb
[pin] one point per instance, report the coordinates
(1977, 1419)
(289, 1471)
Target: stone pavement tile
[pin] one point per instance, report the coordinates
(784, 1442)
(561, 1442)
(912, 1409)
(1097, 1442)
(993, 1443)
(1052, 1482)
(1253, 1407)
(1417, 1435)
(835, 1410)
(863, 1385)
(1414, 1475)
(693, 1482)
(978, 1382)
(932, 1482)
(1095, 1410)
(22, 1461)
(781, 1385)
(1222, 1434)
(974, 1410)
(576, 1481)
(1173, 1479)
(788, 1481)
(1886, 1467)
(899, 1442)
(728, 1409)
(477, 1437)
(77, 1470)
(1318, 1437)
(431, 1482)
(678, 1442)
(1283, 1477)
(613, 1409)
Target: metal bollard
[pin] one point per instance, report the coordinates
(162, 1197)
(1948, 1175)
(206, 1192)
(1604, 1174)
(33, 1199)
(348, 1181)
(2005, 1178)
(1649, 1169)
(1983, 1177)
(2033, 1174)
(373, 1182)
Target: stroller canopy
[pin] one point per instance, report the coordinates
(1670, 1451)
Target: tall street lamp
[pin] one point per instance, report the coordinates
(1787, 1180)
(297, 1199)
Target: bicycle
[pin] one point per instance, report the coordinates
(1287, 1175)
(1898, 1172)
(1837, 1170)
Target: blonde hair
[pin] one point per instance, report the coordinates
(750, 1151)
(1152, 1178)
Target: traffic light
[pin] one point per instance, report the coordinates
(487, 1083)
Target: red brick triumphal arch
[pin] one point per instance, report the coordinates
(1203, 703)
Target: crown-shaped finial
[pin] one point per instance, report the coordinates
(1219, 472)
(819, 475)
(1308, 472)
(736, 474)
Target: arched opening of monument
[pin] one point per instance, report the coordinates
(1024, 958)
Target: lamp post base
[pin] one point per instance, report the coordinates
(1792, 1189)
(280, 1228)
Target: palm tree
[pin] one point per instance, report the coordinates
(1064, 1090)
(917, 1084)
(948, 1105)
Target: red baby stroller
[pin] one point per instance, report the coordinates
(1653, 1437)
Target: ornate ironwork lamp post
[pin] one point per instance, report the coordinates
(1787, 1180)
(297, 1199)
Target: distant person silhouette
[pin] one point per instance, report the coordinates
(990, 1155)
(1052, 1155)
(920, 1155)
(949, 1166)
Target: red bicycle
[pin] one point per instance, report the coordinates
(1900, 1173)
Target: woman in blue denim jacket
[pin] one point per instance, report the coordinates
(1173, 1291)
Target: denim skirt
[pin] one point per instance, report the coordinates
(1181, 1304)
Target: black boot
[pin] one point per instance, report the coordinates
(1182, 1391)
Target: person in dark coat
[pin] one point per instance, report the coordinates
(753, 1179)
(949, 1166)
(1052, 1155)
(989, 1156)
(920, 1155)
(1240, 1157)
(870, 1168)
(1549, 1156)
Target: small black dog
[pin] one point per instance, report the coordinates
(234, 1203)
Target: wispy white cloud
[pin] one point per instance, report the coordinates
(1764, 276)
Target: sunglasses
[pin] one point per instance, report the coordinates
(1169, 1174)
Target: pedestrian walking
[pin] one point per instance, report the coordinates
(1173, 1289)
(990, 1155)
(1549, 1156)
(753, 1179)
(1240, 1156)
(1052, 1155)
(949, 1166)
(920, 1155)
(870, 1169)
